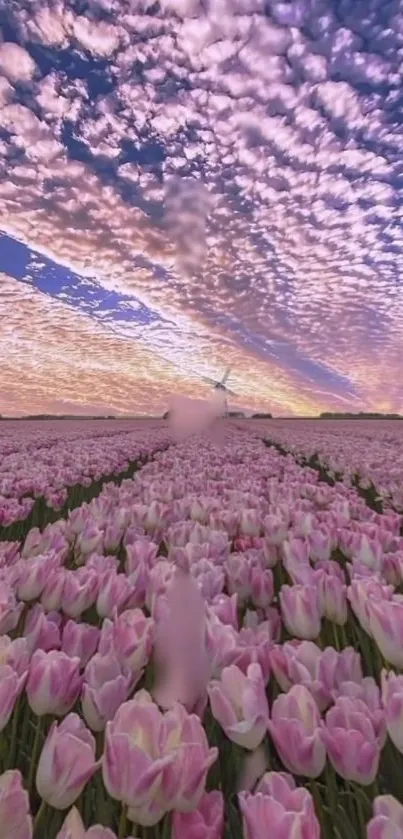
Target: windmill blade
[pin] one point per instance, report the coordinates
(231, 392)
(209, 381)
(226, 375)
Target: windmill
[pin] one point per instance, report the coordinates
(221, 387)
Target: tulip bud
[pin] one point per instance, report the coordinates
(53, 683)
(301, 612)
(238, 703)
(67, 762)
(295, 729)
(15, 818)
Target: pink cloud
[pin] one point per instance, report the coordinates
(16, 63)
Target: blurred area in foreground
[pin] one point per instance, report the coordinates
(194, 416)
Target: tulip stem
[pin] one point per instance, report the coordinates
(166, 827)
(21, 621)
(360, 814)
(336, 637)
(39, 815)
(34, 756)
(99, 739)
(14, 728)
(331, 786)
(317, 800)
(122, 823)
(344, 639)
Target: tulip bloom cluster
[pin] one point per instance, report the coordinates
(211, 648)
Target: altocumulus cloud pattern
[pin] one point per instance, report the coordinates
(188, 184)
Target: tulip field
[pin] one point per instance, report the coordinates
(201, 639)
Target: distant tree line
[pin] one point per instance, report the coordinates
(359, 415)
(59, 417)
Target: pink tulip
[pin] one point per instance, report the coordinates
(270, 553)
(221, 640)
(131, 637)
(391, 567)
(320, 545)
(67, 762)
(366, 550)
(140, 560)
(210, 578)
(42, 632)
(54, 683)
(159, 580)
(333, 599)
(295, 730)
(303, 574)
(56, 541)
(80, 640)
(102, 564)
(112, 538)
(226, 609)
(358, 571)
(351, 742)
(331, 568)
(158, 515)
(387, 821)
(254, 765)
(239, 576)
(33, 575)
(303, 663)
(348, 668)
(15, 654)
(251, 646)
(77, 519)
(10, 611)
(303, 522)
(52, 593)
(280, 809)
(296, 552)
(105, 688)
(301, 612)
(80, 591)
(89, 540)
(33, 543)
(199, 510)
(205, 822)
(392, 701)
(114, 592)
(133, 763)
(122, 516)
(386, 623)
(184, 738)
(227, 520)
(238, 703)
(361, 593)
(276, 529)
(250, 523)
(177, 535)
(366, 697)
(15, 818)
(11, 686)
(139, 553)
(73, 828)
(262, 587)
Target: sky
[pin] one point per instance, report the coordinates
(187, 185)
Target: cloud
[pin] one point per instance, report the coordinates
(16, 63)
(98, 37)
(48, 25)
